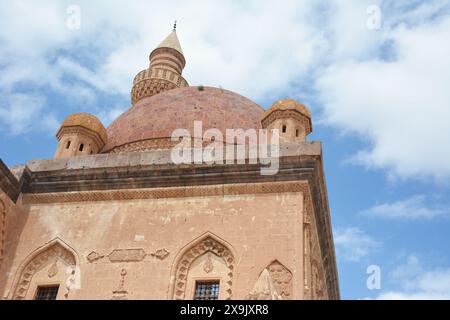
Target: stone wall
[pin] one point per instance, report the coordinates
(136, 226)
(150, 239)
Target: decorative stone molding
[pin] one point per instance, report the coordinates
(127, 255)
(152, 81)
(164, 193)
(146, 145)
(8, 182)
(160, 254)
(152, 144)
(53, 251)
(207, 244)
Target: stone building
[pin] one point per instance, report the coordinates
(113, 217)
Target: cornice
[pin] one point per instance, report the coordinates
(8, 182)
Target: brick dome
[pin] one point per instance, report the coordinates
(158, 116)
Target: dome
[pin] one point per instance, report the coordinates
(158, 116)
(288, 104)
(87, 121)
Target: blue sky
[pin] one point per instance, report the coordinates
(376, 79)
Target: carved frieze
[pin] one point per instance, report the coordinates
(128, 255)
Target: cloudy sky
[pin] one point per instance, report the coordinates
(376, 75)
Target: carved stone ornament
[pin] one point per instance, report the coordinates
(53, 270)
(94, 256)
(127, 255)
(264, 288)
(120, 293)
(161, 254)
(208, 266)
(274, 283)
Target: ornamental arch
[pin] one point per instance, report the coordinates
(208, 258)
(55, 263)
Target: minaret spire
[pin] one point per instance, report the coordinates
(165, 71)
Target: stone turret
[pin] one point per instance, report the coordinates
(80, 134)
(164, 73)
(292, 119)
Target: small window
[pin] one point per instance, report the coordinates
(297, 133)
(284, 129)
(47, 293)
(81, 147)
(207, 290)
(68, 144)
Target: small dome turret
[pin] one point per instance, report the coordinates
(292, 119)
(80, 134)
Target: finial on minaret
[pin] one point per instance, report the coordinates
(175, 26)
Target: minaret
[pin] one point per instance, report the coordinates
(166, 66)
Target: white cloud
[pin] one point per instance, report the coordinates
(414, 208)
(401, 105)
(417, 283)
(353, 244)
(19, 113)
(233, 55)
(388, 87)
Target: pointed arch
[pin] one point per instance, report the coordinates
(35, 261)
(207, 243)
